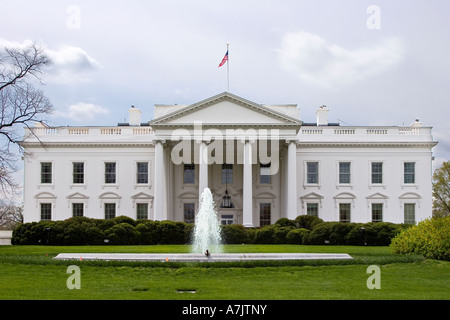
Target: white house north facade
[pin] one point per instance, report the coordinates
(261, 163)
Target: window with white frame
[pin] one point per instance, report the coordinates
(77, 209)
(227, 173)
(189, 212)
(110, 173)
(264, 173)
(344, 172)
(142, 172)
(377, 212)
(110, 210)
(312, 172)
(264, 214)
(189, 174)
(409, 211)
(46, 172)
(78, 172)
(409, 172)
(344, 212)
(377, 172)
(142, 211)
(46, 211)
(312, 209)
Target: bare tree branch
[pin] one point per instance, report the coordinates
(20, 102)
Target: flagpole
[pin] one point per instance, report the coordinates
(228, 67)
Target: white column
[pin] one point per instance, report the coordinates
(203, 167)
(247, 205)
(159, 185)
(291, 196)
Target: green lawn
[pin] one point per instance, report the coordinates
(28, 272)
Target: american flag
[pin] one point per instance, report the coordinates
(225, 59)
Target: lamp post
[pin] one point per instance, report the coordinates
(364, 235)
(226, 200)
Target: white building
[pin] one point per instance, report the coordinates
(261, 162)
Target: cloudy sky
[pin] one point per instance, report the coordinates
(377, 62)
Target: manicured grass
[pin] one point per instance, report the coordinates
(28, 272)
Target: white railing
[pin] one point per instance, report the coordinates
(364, 131)
(48, 131)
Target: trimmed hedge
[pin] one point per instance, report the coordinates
(430, 238)
(118, 231)
(308, 230)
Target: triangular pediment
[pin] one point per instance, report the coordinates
(311, 196)
(378, 196)
(225, 109)
(77, 195)
(142, 196)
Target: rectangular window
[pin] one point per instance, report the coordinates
(142, 211)
(46, 211)
(409, 172)
(264, 214)
(377, 212)
(110, 172)
(110, 210)
(344, 212)
(189, 174)
(142, 172)
(264, 173)
(312, 172)
(227, 173)
(312, 209)
(344, 172)
(410, 213)
(77, 209)
(46, 172)
(226, 219)
(377, 172)
(78, 172)
(189, 212)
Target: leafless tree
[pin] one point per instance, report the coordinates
(21, 102)
(10, 215)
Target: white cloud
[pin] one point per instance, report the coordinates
(71, 64)
(81, 112)
(314, 60)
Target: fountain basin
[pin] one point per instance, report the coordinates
(192, 257)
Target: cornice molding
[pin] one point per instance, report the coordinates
(375, 144)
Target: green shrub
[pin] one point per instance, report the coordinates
(307, 222)
(265, 235)
(280, 234)
(148, 232)
(380, 233)
(122, 233)
(234, 234)
(124, 219)
(339, 232)
(296, 236)
(320, 235)
(285, 222)
(430, 238)
(356, 236)
(172, 232)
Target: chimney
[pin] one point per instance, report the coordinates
(416, 124)
(134, 116)
(322, 116)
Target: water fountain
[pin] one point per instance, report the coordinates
(207, 237)
(207, 245)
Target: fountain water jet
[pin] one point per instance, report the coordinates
(207, 226)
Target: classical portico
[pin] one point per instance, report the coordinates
(226, 134)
